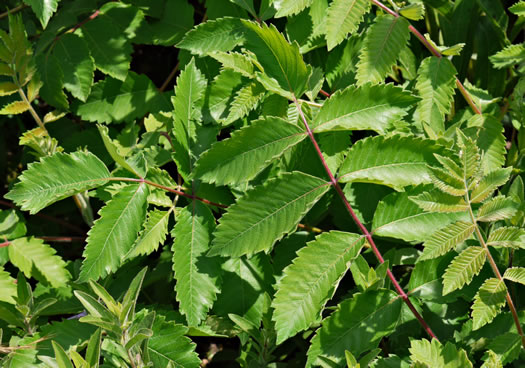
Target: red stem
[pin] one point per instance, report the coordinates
(434, 52)
(362, 227)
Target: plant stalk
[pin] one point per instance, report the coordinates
(495, 269)
(31, 109)
(362, 227)
(434, 52)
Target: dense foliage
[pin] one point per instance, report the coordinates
(262, 183)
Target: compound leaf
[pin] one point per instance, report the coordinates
(488, 302)
(348, 328)
(153, 234)
(441, 241)
(385, 40)
(310, 281)
(433, 354)
(32, 253)
(436, 201)
(8, 287)
(196, 275)
(53, 81)
(515, 274)
(57, 177)
(463, 268)
(343, 18)
(507, 237)
(290, 7)
(115, 232)
(373, 107)
(248, 151)
(394, 161)
(489, 183)
(43, 9)
(509, 56)
(497, 208)
(266, 213)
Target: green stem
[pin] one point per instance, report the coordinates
(31, 109)
(494, 267)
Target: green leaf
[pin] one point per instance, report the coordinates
(415, 11)
(280, 60)
(507, 237)
(489, 183)
(515, 274)
(509, 56)
(8, 88)
(290, 7)
(53, 81)
(266, 213)
(507, 346)
(373, 107)
(31, 253)
(112, 100)
(435, 83)
(463, 268)
(518, 8)
(492, 142)
(395, 161)
(168, 347)
(248, 151)
(492, 361)
(113, 149)
(310, 281)
(61, 356)
(436, 201)
(129, 301)
(488, 302)
(14, 108)
(93, 348)
(384, 41)
(109, 46)
(43, 9)
(152, 235)
(76, 64)
(348, 328)
(469, 155)
(246, 99)
(447, 182)
(219, 95)
(57, 177)
(114, 233)
(235, 61)
(214, 35)
(8, 287)
(343, 18)
(497, 208)
(398, 216)
(443, 240)
(433, 354)
(196, 275)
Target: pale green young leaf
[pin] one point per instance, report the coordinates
(310, 281)
(348, 328)
(468, 155)
(246, 99)
(398, 216)
(56, 177)
(169, 347)
(280, 60)
(8, 287)
(515, 274)
(43, 9)
(32, 253)
(196, 275)
(8, 88)
(492, 361)
(518, 8)
(488, 302)
(436, 201)
(290, 7)
(450, 166)
(435, 83)
(129, 301)
(343, 18)
(512, 237)
(14, 108)
(248, 151)
(509, 56)
(112, 100)
(463, 268)
(113, 234)
(385, 40)
(152, 235)
(53, 81)
(221, 34)
(489, 183)
(497, 208)
(373, 107)
(447, 182)
(414, 11)
(76, 63)
(395, 161)
(433, 354)
(110, 48)
(263, 215)
(443, 240)
(240, 63)
(61, 357)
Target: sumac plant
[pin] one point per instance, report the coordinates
(281, 183)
